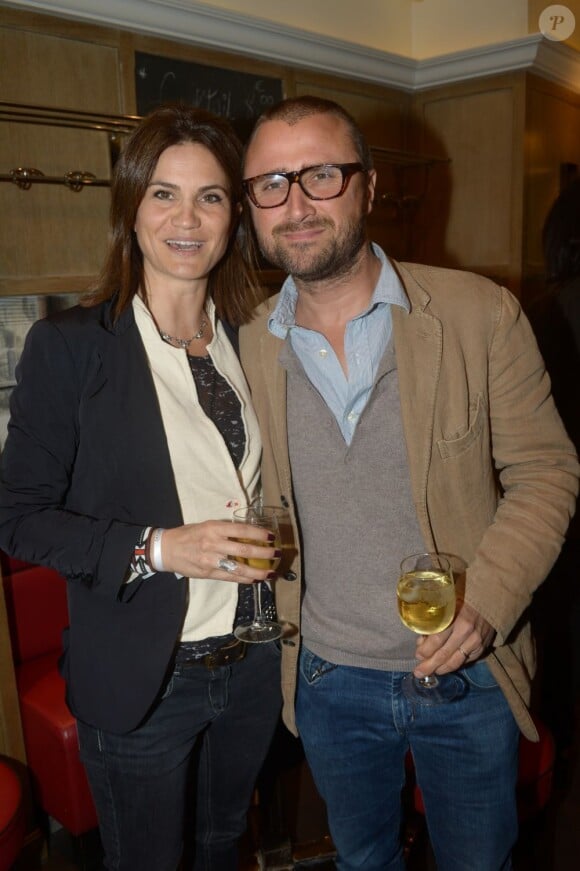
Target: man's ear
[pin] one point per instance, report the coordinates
(371, 189)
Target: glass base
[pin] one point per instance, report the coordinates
(434, 689)
(258, 632)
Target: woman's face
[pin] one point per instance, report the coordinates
(183, 221)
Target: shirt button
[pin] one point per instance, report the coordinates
(352, 416)
(323, 352)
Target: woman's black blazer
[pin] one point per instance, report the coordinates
(84, 468)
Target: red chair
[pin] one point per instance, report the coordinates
(37, 613)
(12, 816)
(536, 773)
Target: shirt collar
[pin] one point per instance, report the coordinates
(388, 291)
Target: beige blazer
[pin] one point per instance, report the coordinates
(493, 473)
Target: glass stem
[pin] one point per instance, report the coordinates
(258, 617)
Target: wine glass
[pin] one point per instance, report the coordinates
(260, 629)
(426, 600)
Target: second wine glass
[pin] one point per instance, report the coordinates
(426, 600)
(261, 629)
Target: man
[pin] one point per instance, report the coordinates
(403, 409)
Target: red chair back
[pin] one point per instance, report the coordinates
(37, 611)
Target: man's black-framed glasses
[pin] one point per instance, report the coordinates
(326, 181)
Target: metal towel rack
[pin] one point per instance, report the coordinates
(115, 126)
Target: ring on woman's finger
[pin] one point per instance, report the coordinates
(461, 650)
(227, 565)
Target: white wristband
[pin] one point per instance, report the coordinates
(156, 558)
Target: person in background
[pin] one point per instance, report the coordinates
(131, 441)
(555, 318)
(403, 408)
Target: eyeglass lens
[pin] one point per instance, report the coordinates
(319, 182)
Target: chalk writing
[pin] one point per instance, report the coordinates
(230, 94)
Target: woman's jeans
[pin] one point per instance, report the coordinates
(356, 727)
(141, 781)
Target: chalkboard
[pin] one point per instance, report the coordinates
(239, 97)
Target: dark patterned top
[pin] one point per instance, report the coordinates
(221, 404)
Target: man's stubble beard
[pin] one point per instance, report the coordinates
(332, 261)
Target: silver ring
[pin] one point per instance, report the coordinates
(466, 655)
(227, 565)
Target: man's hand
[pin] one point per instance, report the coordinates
(468, 638)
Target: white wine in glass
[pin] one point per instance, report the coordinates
(266, 564)
(426, 601)
(260, 629)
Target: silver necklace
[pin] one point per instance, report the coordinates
(185, 343)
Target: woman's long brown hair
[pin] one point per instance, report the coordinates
(233, 284)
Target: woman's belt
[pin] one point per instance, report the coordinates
(227, 653)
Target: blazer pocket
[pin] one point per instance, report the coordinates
(450, 448)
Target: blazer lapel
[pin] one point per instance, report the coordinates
(276, 384)
(418, 347)
(141, 435)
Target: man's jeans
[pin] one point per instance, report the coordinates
(140, 780)
(356, 727)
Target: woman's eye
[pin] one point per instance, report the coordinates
(162, 194)
(213, 198)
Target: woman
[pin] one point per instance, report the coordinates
(132, 439)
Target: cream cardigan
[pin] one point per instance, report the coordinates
(208, 484)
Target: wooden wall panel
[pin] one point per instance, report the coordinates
(57, 238)
(47, 70)
(472, 216)
(50, 230)
(381, 112)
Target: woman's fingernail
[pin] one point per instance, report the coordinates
(270, 576)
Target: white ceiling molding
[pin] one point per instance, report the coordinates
(552, 60)
(558, 62)
(198, 24)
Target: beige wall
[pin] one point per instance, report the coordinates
(385, 25)
(455, 25)
(413, 28)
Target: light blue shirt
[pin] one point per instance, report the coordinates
(365, 340)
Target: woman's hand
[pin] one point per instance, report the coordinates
(195, 549)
